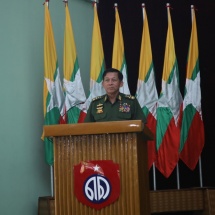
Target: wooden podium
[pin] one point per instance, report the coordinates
(123, 142)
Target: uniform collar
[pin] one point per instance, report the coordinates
(119, 97)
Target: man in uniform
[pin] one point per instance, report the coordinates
(114, 106)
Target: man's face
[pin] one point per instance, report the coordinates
(111, 83)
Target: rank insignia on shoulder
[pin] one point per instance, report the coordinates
(130, 97)
(96, 98)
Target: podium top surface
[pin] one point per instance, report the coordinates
(94, 128)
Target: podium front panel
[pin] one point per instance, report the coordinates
(126, 149)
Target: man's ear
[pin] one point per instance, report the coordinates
(121, 84)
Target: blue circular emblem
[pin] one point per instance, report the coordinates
(97, 188)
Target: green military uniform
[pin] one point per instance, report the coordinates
(126, 107)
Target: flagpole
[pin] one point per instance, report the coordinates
(46, 2)
(200, 161)
(200, 171)
(177, 167)
(153, 165)
(51, 166)
(66, 2)
(52, 181)
(154, 177)
(93, 1)
(177, 174)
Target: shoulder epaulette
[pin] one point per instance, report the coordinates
(130, 97)
(96, 98)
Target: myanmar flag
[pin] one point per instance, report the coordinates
(192, 131)
(118, 57)
(168, 110)
(97, 66)
(53, 97)
(146, 88)
(74, 91)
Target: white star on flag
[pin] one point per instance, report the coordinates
(96, 168)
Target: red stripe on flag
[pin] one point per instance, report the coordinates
(82, 117)
(151, 124)
(194, 143)
(168, 154)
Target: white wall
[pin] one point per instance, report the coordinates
(24, 175)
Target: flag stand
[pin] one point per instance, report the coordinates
(200, 171)
(52, 182)
(178, 180)
(154, 177)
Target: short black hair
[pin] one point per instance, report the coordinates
(120, 75)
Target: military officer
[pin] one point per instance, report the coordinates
(114, 106)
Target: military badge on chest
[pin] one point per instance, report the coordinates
(125, 107)
(99, 108)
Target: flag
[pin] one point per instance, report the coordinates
(97, 66)
(168, 110)
(146, 87)
(118, 57)
(53, 97)
(192, 130)
(74, 91)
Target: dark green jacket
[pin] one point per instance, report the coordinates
(126, 107)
